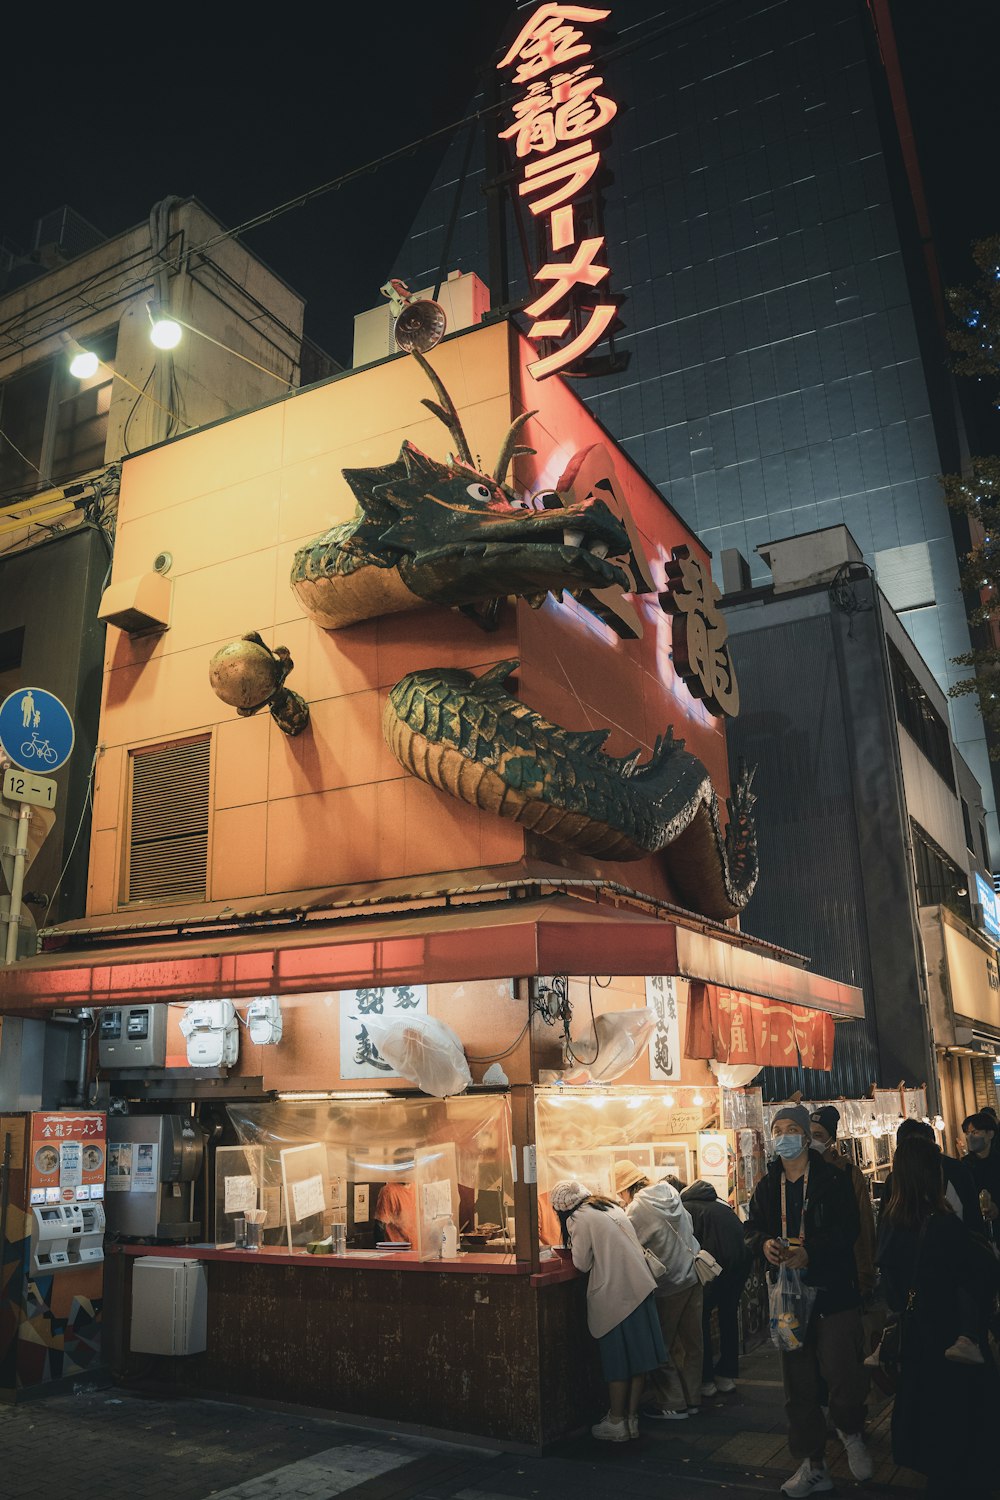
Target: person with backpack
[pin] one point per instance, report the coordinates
(719, 1230)
(621, 1305)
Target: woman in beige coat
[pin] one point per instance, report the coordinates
(621, 1309)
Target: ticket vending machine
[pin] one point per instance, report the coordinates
(52, 1180)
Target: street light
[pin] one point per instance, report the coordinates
(164, 331)
(84, 364)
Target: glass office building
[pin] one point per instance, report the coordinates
(786, 371)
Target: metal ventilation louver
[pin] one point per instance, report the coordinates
(168, 822)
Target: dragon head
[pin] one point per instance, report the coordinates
(461, 538)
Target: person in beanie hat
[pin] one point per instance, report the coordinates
(621, 1306)
(803, 1214)
(824, 1122)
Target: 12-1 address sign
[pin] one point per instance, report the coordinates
(36, 730)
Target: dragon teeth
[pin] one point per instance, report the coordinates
(599, 549)
(572, 538)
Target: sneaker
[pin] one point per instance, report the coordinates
(808, 1479)
(693, 1411)
(859, 1460)
(724, 1385)
(611, 1432)
(711, 1389)
(633, 1426)
(663, 1414)
(965, 1351)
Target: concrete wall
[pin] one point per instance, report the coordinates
(222, 290)
(836, 877)
(53, 591)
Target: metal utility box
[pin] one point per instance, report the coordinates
(133, 1036)
(169, 1306)
(153, 1161)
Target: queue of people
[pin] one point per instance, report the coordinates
(645, 1304)
(810, 1222)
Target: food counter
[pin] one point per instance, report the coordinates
(477, 1346)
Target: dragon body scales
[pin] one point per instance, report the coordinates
(471, 738)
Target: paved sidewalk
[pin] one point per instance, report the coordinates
(113, 1445)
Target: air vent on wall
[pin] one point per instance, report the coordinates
(906, 577)
(168, 822)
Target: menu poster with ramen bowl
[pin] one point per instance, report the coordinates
(68, 1156)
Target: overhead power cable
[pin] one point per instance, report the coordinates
(145, 267)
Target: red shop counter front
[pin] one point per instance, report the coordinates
(475, 1346)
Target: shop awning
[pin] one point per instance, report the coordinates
(556, 934)
(732, 1027)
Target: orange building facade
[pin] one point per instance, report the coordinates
(310, 865)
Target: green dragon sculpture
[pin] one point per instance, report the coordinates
(446, 534)
(469, 737)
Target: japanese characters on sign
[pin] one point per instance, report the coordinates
(557, 114)
(734, 1027)
(67, 1156)
(359, 1056)
(700, 633)
(665, 1043)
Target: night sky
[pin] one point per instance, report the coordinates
(116, 113)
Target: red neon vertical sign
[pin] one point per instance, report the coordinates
(556, 116)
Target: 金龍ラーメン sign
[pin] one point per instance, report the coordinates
(732, 1027)
(559, 110)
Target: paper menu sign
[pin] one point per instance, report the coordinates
(240, 1195)
(361, 1203)
(144, 1167)
(308, 1197)
(437, 1199)
(70, 1164)
(120, 1167)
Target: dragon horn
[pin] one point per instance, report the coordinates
(446, 411)
(509, 448)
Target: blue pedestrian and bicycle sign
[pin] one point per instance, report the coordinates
(36, 730)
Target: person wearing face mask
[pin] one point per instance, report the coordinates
(980, 1131)
(823, 1124)
(804, 1214)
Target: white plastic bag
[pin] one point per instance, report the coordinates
(423, 1050)
(623, 1036)
(791, 1304)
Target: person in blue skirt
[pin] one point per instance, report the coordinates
(621, 1303)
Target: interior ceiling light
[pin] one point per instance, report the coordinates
(84, 364)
